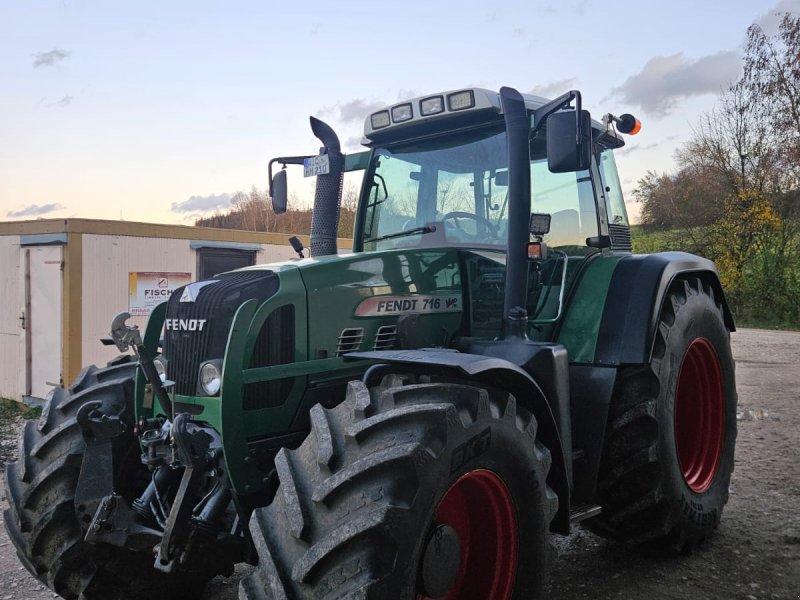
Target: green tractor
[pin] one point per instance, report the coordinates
(413, 420)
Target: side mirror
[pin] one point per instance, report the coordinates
(279, 192)
(569, 141)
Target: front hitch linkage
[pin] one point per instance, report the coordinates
(125, 337)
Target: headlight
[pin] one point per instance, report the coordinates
(380, 119)
(431, 106)
(211, 377)
(402, 112)
(461, 100)
(160, 364)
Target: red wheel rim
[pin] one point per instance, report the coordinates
(479, 507)
(699, 415)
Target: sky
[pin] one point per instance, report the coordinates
(162, 111)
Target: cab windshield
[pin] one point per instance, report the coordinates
(452, 191)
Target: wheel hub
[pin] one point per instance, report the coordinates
(441, 561)
(476, 538)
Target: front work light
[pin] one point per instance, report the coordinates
(402, 112)
(380, 119)
(211, 377)
(539, 224)
(461, 100)
(431, 106)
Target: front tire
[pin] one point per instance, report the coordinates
(409, 491)
(669, 448)
(41, 519)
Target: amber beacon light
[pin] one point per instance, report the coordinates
(629, 124)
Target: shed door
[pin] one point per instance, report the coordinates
(42, 300)
(213, 261)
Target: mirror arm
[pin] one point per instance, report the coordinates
(284, 160)
(563, 101)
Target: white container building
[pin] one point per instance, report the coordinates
(63, 281)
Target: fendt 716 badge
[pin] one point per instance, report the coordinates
(378, 306)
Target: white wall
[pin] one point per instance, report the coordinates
(12, 341)
(107, 260)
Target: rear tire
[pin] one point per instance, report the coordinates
(393, 475)
(41, 519)
(669, 447)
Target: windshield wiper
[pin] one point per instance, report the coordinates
(414, 231)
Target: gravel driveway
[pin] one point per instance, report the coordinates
(754, 555)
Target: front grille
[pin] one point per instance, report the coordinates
(274, 346)
(216, 301)
(620, 237)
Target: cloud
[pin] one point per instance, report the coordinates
(353, 143)
(770, 20)
(630, 149)
(203, 203)
(665, 80)
(519, 32)
(49, 59)
(554, 88)
(34, 210)
(357, 110)
(65, 101)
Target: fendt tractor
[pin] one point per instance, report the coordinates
(413, 420)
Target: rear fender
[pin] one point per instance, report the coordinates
(490, 372)
(636, 295)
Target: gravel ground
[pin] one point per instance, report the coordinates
(754, 555)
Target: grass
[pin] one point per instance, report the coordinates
(10, 409)
(770, 269)
(756, 323)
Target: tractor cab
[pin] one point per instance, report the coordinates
(442, 172)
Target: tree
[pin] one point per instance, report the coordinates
(734, 141)
(734, 195)
(772, 77)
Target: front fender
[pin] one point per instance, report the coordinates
(495, 372)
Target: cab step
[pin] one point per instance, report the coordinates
(581, 512)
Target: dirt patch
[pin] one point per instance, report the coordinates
(754, 555)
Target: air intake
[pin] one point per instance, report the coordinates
(349, 340)
(386, 338)
(620, 237)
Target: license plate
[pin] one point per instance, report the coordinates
(316, 165)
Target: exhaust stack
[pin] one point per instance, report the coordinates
(519, 206)
(328, 196)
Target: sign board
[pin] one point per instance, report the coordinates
(316, 165)
(148, 290)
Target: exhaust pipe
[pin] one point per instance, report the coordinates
(519, 207)
(328, 196)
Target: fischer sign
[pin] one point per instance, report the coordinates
(379, 306)
(148, 290)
